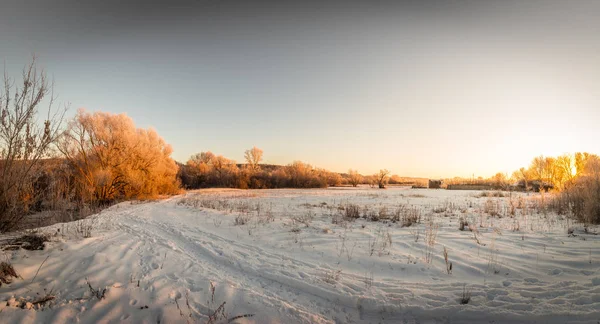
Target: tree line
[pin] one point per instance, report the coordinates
(573, 178)
(205, 169)
(95, 159)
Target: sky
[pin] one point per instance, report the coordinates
(421, 88)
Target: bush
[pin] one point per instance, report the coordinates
(411, 216)
(352, 211)
(583, 200)
(581, 196)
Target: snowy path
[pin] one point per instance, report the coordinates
(166, 256)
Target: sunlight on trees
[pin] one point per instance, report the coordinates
(382, 178)
(114, 159)
(253, 157)
(354, 178)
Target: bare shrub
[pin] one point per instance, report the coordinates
(410, 216)
(397, 214)
(241, 220)
(492, 207)
(583, 196)
(24, 142)
(305, 219)
(462, 223)
(351, 211)
(383, 213)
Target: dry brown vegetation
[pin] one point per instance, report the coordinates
(97, 159)
(113, 159)
(24, 142)
(7, 273)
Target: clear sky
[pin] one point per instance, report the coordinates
(423, 88)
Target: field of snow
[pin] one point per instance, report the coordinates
(276, 256)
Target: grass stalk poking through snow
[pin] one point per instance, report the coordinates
(448, 263)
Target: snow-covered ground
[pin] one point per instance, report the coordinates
(180, 259)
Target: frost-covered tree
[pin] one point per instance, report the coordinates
(353, 177)
(253, 157)
(382, 178)
(113, 158)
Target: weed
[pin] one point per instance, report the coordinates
(96, 292)
(448, 263)
(431, 230)
(7, 273)
(466, 296)
(351, 211)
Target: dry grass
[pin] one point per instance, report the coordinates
(241, 220)
(408, 216)
(466, 296)
(31, 242)
(448, 263)
(7, 273)
(492, 207)
(351, 211)
(332, 276)
(305, 218)
(100, 294)
(431, 230)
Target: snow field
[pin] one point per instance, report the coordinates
(278, 256)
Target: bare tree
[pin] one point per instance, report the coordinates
(24, 140)
(253, 157)
(354, 177)
(523, 175)
(500, 180)
(565, 169)
(382, 178)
